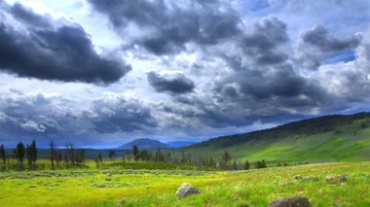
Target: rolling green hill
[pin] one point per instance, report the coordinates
(328, 138)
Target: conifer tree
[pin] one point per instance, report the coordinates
(263, 164)
(3, 154)
(20, 152)
(33, 149)
(136, 152)
(258, 164)
(246, 165)
(226, 157)
(111, 154)
(100, 158)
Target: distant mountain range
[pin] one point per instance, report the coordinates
(145, 143)
(180, 144)
(151, 144)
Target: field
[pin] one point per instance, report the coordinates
(302, 142)
(257, 187)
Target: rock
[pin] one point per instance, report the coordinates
(331, 179)
(108, 177)
(310, 179)
(186, 190)
(297, 177)
(342, 178)
(291, 202)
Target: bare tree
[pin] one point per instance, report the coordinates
(53, 153)
(74, 156)
(70, 154)
(80, 157)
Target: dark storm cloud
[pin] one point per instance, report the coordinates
(263, 81)
(212, 113)
(263, 86)
(268, 95)
(31, 116)
(64, 54)
(229, 91)
(116, 114)
(220, 111)
(262, 45)
(320, 37)
(318, 43)
(282, 84)
(174, 83)
(170, 26)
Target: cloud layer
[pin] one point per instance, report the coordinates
(165, 27)
(196, 70)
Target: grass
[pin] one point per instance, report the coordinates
(347, 142)
(92, 187)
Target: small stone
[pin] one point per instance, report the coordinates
(186, 190)
(108, 177)
(291, 202)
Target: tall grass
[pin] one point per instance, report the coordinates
(92, 187)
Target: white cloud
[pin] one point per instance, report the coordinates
(33, 126)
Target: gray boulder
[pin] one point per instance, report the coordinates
(186, 190)
(291, 202)
(331, 179)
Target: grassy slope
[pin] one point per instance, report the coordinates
(332, 138)
(157, 188)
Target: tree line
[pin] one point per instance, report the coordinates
(225, 163)
(21, 152)
(70, 156)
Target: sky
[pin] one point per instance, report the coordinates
(102, 73)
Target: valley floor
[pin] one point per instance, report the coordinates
(115, 187)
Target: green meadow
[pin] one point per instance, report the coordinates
(326, 139)
(257, 187)
(313, 150)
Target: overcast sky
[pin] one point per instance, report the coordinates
(102, 73)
